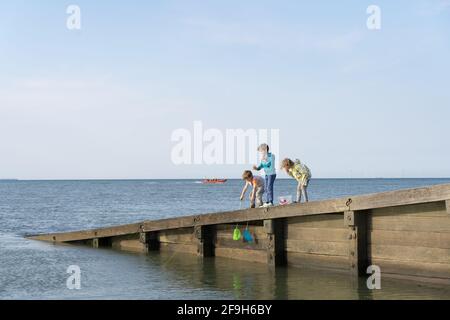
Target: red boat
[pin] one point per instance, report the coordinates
(214, 181)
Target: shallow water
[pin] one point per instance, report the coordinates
(35, 270)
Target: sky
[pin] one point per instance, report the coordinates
(103, 102)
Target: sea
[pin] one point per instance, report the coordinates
(36, 270)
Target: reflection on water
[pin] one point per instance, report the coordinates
(35, 270)
(244, 280)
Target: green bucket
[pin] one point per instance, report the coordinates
(236, 234)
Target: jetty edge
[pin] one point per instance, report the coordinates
(406, 233)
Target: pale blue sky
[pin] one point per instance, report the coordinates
(102, 102)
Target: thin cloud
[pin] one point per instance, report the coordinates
(340, 42)
(270, 37)
(433, 7)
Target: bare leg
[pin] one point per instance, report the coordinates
(299, 192)
(305, 193)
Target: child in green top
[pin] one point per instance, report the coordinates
(299, 172)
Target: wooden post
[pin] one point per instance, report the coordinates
(276, 253)
(356, 221)
(150, 240)
(447, 205)
(205, 240)
(101, 242)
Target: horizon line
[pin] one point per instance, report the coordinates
(144, 179)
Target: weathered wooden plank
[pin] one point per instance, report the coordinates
(386, 199)
(316, 234)
(410, 238)
(401, 197)
(297, 259)
(178, 247)
(251, 224)
(241, 244)
(259, 256)
(90, 234)
(323, 221)
(133, 245)
(187, 239)
(406, 253)
(433, 209)
(403, 223)
(318, 247)
(185, 235)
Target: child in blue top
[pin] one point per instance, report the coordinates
(268, 164)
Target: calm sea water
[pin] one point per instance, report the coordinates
(35, 270)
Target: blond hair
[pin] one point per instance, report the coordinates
(263, 147)
(287, 163)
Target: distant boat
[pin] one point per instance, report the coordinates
(214, 181)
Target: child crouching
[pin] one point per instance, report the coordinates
(257, 192)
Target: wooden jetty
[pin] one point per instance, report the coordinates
(406, 233)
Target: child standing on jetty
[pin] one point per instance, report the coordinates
(268, 164)
(299, 172)
(258, 188)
